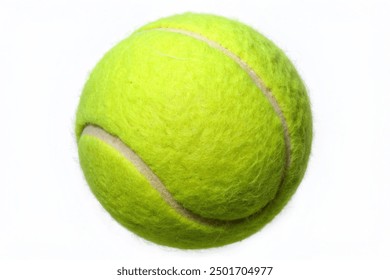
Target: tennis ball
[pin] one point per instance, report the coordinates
(194, 132)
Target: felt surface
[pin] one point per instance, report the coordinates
(202, 126)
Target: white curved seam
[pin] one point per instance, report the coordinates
(144, 169)
(255, 78)
(152, 178)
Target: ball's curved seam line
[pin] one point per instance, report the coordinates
(143, 168)
(255, 78)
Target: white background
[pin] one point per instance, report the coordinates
(340, 214)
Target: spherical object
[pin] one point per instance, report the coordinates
(194, 132)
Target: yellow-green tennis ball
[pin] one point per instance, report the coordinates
(195, 131)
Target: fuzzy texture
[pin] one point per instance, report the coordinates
(201, 125)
